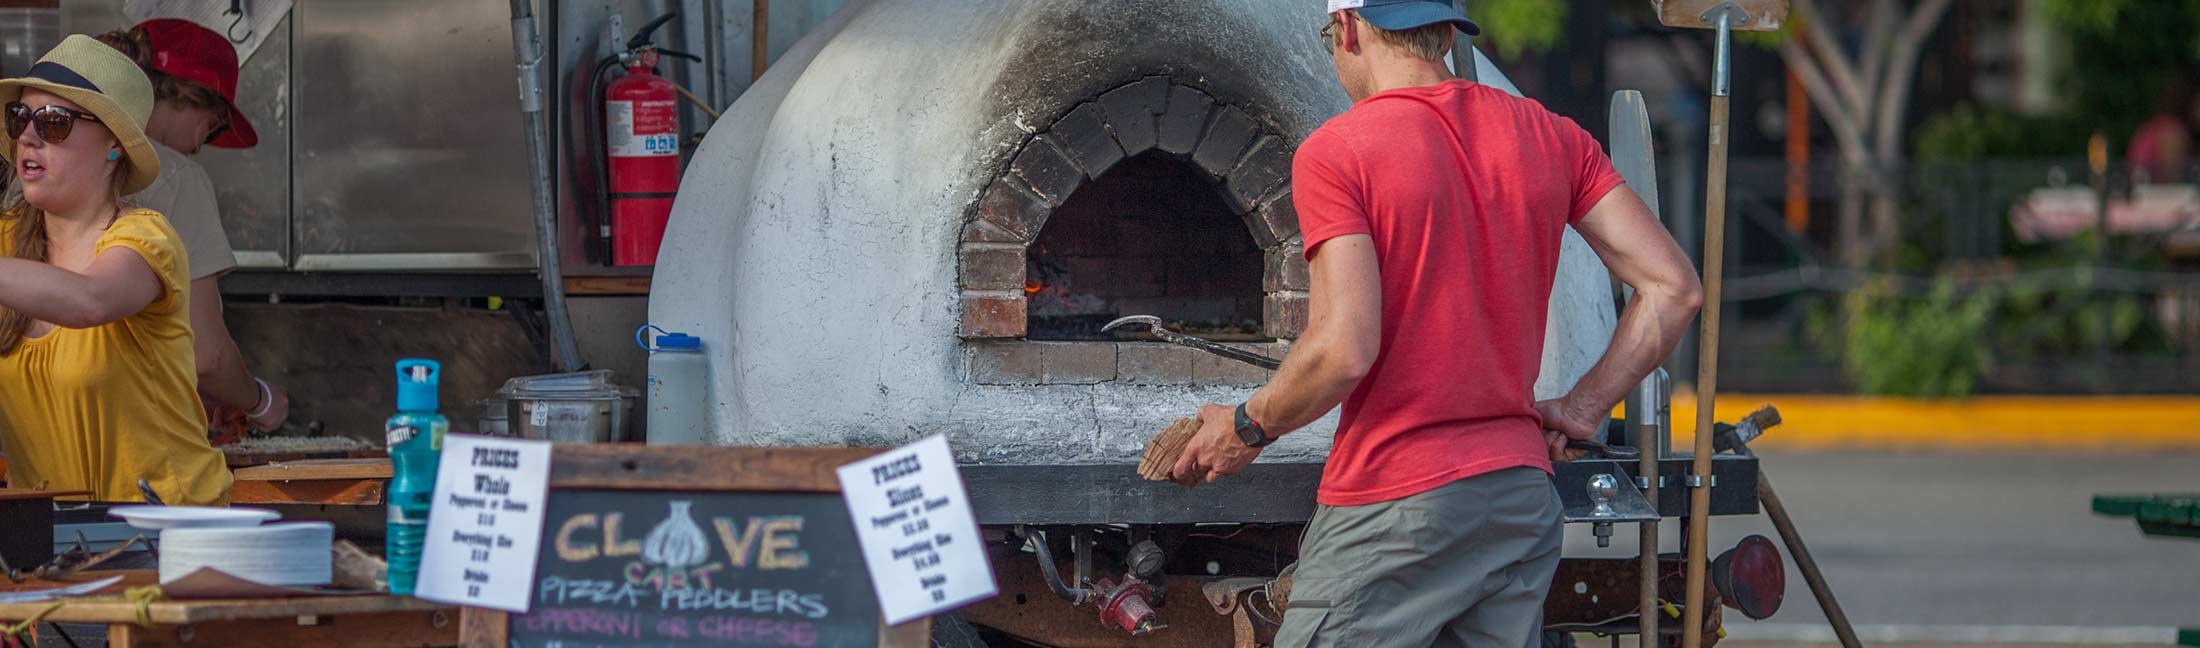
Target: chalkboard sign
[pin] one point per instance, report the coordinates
(720, 569)
(696, 546)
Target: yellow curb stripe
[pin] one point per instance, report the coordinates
(1978, 423)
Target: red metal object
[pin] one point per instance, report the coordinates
(642, 138)
(1027, 608)
(1128, 606)
(1751, 577)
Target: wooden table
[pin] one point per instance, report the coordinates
(365, 621)
(358, 481)
(352, 482)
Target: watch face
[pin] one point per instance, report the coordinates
(1251, 435)
(1248, 431)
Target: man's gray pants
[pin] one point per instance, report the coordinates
(1466, 564)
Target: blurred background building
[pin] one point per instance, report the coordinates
(1915, 210)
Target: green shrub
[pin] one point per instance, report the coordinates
(1969, 132)
(1935, 347)
(1941, 344)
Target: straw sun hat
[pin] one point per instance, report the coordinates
(104, 83)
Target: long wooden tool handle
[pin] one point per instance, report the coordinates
(1707, 373)
(1646, 543)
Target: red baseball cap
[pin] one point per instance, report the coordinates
(184, 49)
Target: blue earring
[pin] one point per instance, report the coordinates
(114, 155)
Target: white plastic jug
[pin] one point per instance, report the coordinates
(679, 381)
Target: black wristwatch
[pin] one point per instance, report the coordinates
(1249, 430)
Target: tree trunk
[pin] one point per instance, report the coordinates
(1886, 209)
(1852, 245)
(1890, 123)
(1864, 99)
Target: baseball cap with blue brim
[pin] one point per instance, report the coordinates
(1400, 15)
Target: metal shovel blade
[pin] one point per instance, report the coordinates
(1754, 15)
(1168, 335)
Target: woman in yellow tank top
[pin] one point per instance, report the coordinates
(97, 385)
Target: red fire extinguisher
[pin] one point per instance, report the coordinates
(642, 138)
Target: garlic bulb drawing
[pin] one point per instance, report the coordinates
(678, 542)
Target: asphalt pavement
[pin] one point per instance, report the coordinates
(1982, 548)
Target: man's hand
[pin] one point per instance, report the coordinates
(1563, 421)
(225, 424)
(274, 411)
(1216, 451)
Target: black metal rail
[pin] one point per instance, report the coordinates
(1270, 493)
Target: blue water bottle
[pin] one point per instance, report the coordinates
(416, 447)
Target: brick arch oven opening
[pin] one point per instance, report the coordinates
(1151, 236)
(1151, 198)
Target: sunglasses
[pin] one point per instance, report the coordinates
(221, 125)
(205, 98)
(54, 122)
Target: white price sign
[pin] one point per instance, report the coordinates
(918, 535)
(486, 524)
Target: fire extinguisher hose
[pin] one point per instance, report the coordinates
(595, 139)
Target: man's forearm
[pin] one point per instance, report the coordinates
(226, 380)
(1635, 246)
(1341, 341)
(222, 374)
(1312, 381)
(1649, 328)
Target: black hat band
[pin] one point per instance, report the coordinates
(61, 74)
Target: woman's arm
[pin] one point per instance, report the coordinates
(118, 284)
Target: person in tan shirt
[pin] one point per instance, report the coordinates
(194, 77)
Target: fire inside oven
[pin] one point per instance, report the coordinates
(1152, 236)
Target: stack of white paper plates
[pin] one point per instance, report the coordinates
(289, 553)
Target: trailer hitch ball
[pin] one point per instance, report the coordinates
(1602, 488)
(1128, 606)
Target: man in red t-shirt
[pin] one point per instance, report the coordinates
(1432, 213)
